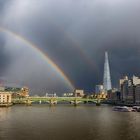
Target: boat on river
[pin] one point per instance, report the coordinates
(123, 109)
(137, 108)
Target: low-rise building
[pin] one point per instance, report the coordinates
(68, 95)
(2, 88)
(51, 95)
(5, 98)
(18, 92)
(79, 93)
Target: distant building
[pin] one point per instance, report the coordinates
(130, 89)
(100, 92)
(99, 89)
(124, 83)
(135, 80)
(5, 97)
(137, 94)
(2, 88)
(79, 93)
(107, 78)
(68, 95)
(114, 95)
(18, 92)
(51, 95)
(130, 98)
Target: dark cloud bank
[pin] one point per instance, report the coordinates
(75, 34)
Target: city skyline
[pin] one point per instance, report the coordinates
(69, 69)
(74, 41)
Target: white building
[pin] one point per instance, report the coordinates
(79, 93)
(5, 98)
(135, 80)
(68, 94)
(51, 95)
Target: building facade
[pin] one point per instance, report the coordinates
(69, 94)
(137, 94)
(124, 87)
(107, 78)
(113, 95)
(18, 92)
(79, 93)
(130, 89)
(5, 97)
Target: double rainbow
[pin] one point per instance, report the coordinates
(38, 50)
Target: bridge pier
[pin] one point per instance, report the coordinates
(28, 103)
(75, 102)
(53, 102)
(98, 103)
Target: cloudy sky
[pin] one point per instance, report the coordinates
(74, 34)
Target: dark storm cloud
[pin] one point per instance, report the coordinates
(2, 4)
(61, 27)
(4, 57)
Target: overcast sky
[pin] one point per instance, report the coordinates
(75, 34)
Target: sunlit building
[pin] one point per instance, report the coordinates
(68, 95)
(99, 89)
(18, 92)
(5, 98)
(51, 95)
(100, 92)
(79, 93)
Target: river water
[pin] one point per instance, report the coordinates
(66, 122)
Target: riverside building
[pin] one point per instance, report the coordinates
(18, 92)
(79, 93)
(100, 92)
(113, 95)
(5, 98)
(130, 89)
(99, 89)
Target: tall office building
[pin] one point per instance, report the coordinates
(107, 78)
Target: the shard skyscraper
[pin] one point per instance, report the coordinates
(107, 78)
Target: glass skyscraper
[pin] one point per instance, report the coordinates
(107, 78)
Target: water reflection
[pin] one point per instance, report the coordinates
(65, 122)
(4, 113)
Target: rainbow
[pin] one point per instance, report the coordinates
(38, 50)
(84, 55)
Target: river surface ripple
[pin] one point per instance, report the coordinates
(66, 122)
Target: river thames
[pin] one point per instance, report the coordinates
(66, 122)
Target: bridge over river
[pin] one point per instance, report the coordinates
(54, 100)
